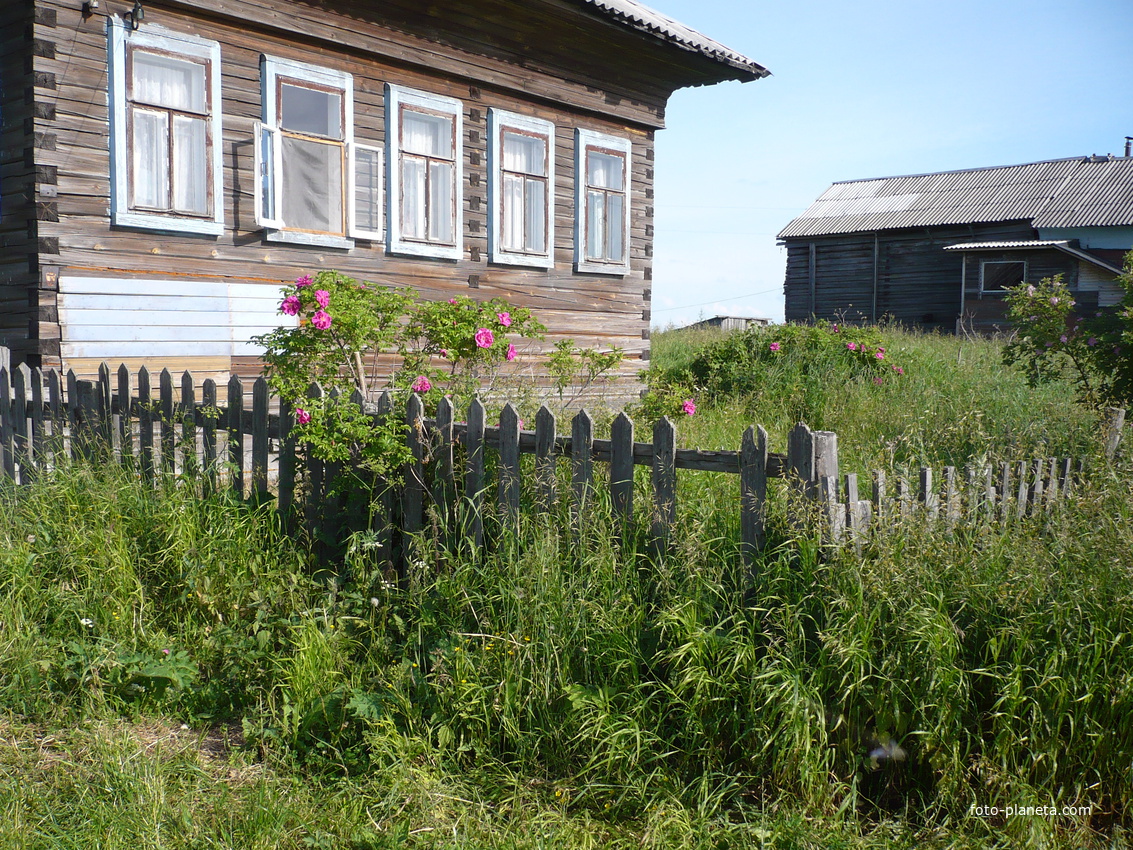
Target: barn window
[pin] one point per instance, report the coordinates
(602, 175)
(164, 127)
(997, 275)
(521, 180)
(316, 185)
(423, 132)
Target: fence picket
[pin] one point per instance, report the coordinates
(1114, 427)
(904, 498)
(188, 424)
(951, 497)
(801, 470)
(383, 519)
(145, 424)
(621, 467)
(1004, 492)
(105, 407)
(1023, 492)
(474, 474)
(582, 459)
(7, 429)
(21, 377)
(234, 424)
(125, 423)
(55, 401)
(168, 450)
(72, 407)
(509, 464)
(208, 433)
(413, 494)
(38, 462)
(260, 437)
(444, 481)
(545, 456)
(664, 482)
(88, 435)
(880, 505)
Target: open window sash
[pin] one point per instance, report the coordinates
(269, 171)
(365, 170)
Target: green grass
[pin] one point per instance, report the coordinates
(565, 690)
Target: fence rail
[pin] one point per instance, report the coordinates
(176, 428)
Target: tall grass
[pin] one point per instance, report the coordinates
(567, 687)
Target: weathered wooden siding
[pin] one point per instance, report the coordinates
(903, 275)
(20, 99)
(593, 309)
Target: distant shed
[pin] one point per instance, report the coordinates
(729, 323)
(937, 249)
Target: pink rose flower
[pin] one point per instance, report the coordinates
(898, 370)
(1054, 301)
(484, 338)
(321, 320)
(689, 407)
(302, 416)
(1091, 341)
(1030, 289)
(452, 301)
(774, 346)
(444, 352)
(505, 319)
(1062, 338)
(421, 385)
(290, 305)
(510, 352)
(305, 280)
(879, 380)
(853, 346)
(323, 297)
(880, 355)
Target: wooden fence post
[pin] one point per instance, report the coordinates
(385, 518)
(545, 457)
(664, 482)
(55, 401)
(21, 377)
(581, 460)
(188, 425)
(235, 423)
(38, 432)
(165, 387)
(508, 485)
(413, 494)
(145, 425)
(825, 482)
(800, 471)
(208, 434)
(474, 475)
(88, 428)
(105, 411)
(444, 480)
(621, 468)
(72, 408)
(753, 493)
(927, 495)
(7, 431)
(259, 437)
(125, 424)
(1113, 428)
(880, 506)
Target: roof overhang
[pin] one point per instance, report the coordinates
(1032, 244)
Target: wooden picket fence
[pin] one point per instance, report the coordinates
(171, 430)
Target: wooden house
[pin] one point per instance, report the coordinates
(936, 250)
(167, 165)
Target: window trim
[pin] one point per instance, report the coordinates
(985, 263)
(499, 121)
(586, 140)
(120, 41)
(398, 97)
(273, 70)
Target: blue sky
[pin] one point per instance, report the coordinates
(865, 89)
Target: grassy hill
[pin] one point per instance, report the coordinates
(179, 672)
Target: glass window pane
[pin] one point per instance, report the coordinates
(427, 135)
(615, 227)
(151, 159)
(166, 81)
(526, 154)
(441, 212)
(312, 185)
(190, 165)
(512, 199)
(310, 111)
(267, 176)
(536, 216)
(999, 275)
(604, 171)
(367, 190)
(413, 198)
(595, 225)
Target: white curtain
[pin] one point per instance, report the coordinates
(441, 212)
(604, 171)
(536, 216)
(427, 135)
(512, 213)
(413, 197)
(367, 189)
(190, 167)
(169, 82)
(595, 225)
(526, 154)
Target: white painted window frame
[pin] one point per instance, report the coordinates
(120, 37)
(269, 173)
(500, 120)
(396, 98)
(984, 263)
(586, 140)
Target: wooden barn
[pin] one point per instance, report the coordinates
(936, 250)
(168, 164)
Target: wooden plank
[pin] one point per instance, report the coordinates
(260, 438)
(1004, 492)
(444, 481)
(384, 517)
(545, 439)
(189, 464)
(474, 475)
(508, 484)
(664, 479)
(20, 378)
(904, 498)
(7, 427)
(234, 424)
(285, 501)
(853, 511)
(55, 402)
(800, 471)
(1052, 492)
(880, 500)
(1113, 427)
(72, 405)
(105, 403)
(989, 493)
(927, 494)
(145, 425)
(165, 388)
(833, 511)
(582, 461)
(1038, 486)
(125, 409)
(210, 414)
(413, 494)
(39, 419)
(1023, 491)
(621, 467)
(951, 497)
(87, 436)
(1065, 476)
(753, 493)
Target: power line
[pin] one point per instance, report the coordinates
(717, 300)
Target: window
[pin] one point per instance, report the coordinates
(164, 130)
(316, 186)
(602, 170)
(425, 150)
(521, 189)
(995, 275)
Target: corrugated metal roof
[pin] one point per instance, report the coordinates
(1022, 245)
(1078, 192)
(641, 17)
